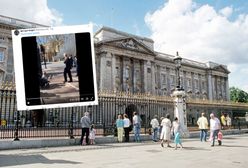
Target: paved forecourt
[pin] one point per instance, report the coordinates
(233, 153)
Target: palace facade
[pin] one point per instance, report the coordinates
(129, 63)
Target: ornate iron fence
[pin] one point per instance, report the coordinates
(62, 122)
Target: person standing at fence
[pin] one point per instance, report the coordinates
(155, 126)
(126, 127)
(136, 126)
(228, 121)
(203, 126)
(85, 124)
(120, 126)
(223, 121)
(166, 131)
(214, 127)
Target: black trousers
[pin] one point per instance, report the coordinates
(126, 130)
(87, 132)
(67, 71)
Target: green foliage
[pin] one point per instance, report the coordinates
(238, 95)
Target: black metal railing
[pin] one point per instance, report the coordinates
(65, 122)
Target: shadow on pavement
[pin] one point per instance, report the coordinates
(235, 146)
(13, 160)
(195, 148)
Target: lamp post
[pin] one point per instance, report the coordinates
(179, 97)
(178, 63)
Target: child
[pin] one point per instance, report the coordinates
(220, 136)
(92, 134)
(176, 129)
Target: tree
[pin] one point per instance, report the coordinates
(238, 95)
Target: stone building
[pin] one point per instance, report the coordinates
(6, 51)
(129, 63)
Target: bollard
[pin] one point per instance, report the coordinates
(16, 127)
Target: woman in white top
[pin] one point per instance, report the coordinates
(166, 131)
(228, 121)
(126, 127)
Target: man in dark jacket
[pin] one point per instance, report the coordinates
(68, 65)
(85, 124)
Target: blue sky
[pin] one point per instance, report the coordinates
(124, 15)
(200, 30)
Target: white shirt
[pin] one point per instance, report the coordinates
(126, 122)
(214, 124)
(136, 119)
(154, 123)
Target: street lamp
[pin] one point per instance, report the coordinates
(178, 61)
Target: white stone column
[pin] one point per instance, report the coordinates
(180, 109)
(227, 89)
(210, 87)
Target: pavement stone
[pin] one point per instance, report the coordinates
(147, 154)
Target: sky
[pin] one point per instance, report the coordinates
(200, 30)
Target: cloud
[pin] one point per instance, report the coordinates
(200, 32)
(30, 10)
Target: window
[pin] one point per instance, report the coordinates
(163, 78)
(189, 83)
(172, 80)
(196, 84)
(203, 85)
(1, 56)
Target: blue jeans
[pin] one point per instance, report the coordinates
(203, 134)
(155, 134)
(215, 134)
(136, 131)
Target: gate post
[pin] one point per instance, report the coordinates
(70, 131)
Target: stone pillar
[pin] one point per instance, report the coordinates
(180, 109)
(145, 76)
(210, 88)
(227, 89)
(102, 62)
(153, 82)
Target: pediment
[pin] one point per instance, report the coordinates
(129, 44)
(221, 68)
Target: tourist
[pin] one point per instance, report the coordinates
(214, 127)
(136, 126)
(166, 131)
(160, 126)
(223, 121)
(155, 126)
(85, 124)
(92, 134)
(228, 121)
(176, 130)
(203, 126)
(120, 126)
(127, 124)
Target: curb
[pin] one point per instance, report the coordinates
(55, 142)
